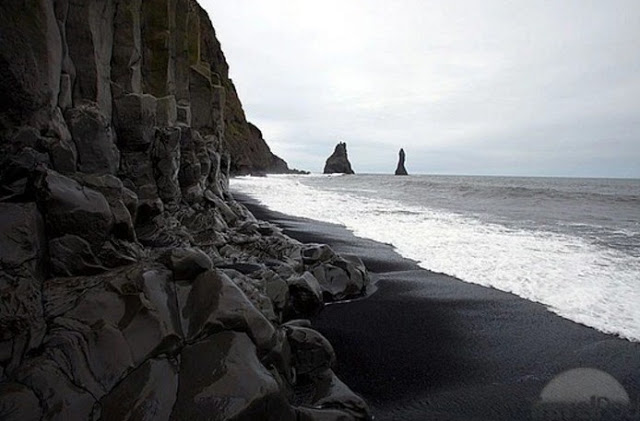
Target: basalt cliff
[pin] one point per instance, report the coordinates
(133, 286)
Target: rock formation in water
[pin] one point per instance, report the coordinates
(132, 285)
(338, 162)
(400, 169)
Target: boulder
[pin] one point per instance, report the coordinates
(305, 296)
(94, 140)
(187, 263)
(401, 170)
(331, 392)
(146, 394)
(221, 378)
(312, 354)
(72, 209)
(339, 277)
(214, 303)
(338, 162)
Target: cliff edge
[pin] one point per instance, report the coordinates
(133, 285)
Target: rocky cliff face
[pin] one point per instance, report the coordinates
(338, 162)
(400, 169)
(133, 286)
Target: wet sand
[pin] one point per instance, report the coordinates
(427, 346)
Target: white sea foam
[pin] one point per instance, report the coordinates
(584, 282)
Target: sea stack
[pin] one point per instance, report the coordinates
(401, 170)
(338, 162)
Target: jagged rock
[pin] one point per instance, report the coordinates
(147, 394)
(331, 392)
(187, 263)
(401, 170)
(72, 256)
(209, 388)
(135, 121)
(214, 303)
(277, 288)
(229, 216)
(18, 403)
(340, 277)
(338, 162)
(317, 253)
(94, 140)
(306, 296)
(311, 352)
(73, 209)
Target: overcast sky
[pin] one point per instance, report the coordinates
(527, 87)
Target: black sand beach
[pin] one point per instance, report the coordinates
(427, 346)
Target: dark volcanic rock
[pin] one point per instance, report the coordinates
(132, 284)
(94, 139)
(72, 209)
(148, 393)
(401, 170)
(222, 379)
(338, 162)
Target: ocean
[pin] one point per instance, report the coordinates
(570, 244)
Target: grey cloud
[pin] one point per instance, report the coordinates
(523, 88)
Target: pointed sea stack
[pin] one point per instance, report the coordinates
(338, 162)
(401, 170)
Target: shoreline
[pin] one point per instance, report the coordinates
(449, 349)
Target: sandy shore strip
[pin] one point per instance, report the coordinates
(427, 346)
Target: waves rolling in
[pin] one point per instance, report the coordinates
(537, 242)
